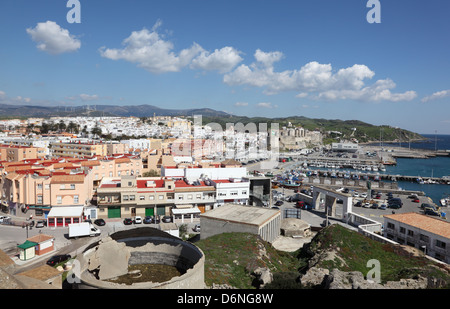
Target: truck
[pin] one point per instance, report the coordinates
(83, 229)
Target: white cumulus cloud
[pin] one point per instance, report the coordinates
(437, 95)
(266, 105)
(314, 78)
(222, 60)
(155, 54)
(53, 39)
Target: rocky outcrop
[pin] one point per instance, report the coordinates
(336, 279)
(263, 276)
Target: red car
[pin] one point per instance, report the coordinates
(416, 200)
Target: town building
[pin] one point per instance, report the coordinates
(17, 153)
(78, 149)
(232, 218)
(431, 235)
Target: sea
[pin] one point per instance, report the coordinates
(436, 167)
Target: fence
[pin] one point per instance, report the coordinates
(292, 213)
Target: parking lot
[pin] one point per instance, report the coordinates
(317, 215)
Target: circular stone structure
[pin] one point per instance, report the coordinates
(102, 263)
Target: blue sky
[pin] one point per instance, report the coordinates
(319, 59)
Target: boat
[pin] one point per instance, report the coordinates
(445, 201)
(290, 183)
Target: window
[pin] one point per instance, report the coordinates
(391, 226)
(180, 197)
(234, 193)
(39, 186)
(440, 244)
(161, 197)
(39, 199)
(62, 187)
(47, 187)
(142, 197)
(151, 197)
(72, 186)
(59, 199)
(132, 197)
(189, 196)
(402, 230)
(125, 197)
(244, 192)
(424, 238)
(410, 233)
(68, 221)
(199, 196)
(75, 199)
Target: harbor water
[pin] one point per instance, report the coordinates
(436, 167)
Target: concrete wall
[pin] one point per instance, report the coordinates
(167, 251)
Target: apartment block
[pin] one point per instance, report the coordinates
(78, 149)
(431, 235)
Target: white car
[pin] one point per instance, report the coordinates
(4, 219)
(364, 195)
(137, 220)
(196, 228)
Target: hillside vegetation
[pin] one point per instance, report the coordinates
(232, 257)
(352, 250)
(363, 132)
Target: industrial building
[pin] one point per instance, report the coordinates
(230, 218)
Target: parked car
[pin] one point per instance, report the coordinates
(41, 223)
(137, 220)
(299, 204)
(100, 222)
(167, 219)
(416, 200)
(431, 212)
(358, 204)
(382, 207)
(4, 219)
(54, 260)
(394, 206)
(279, 203)
(147, 220)
(374, 206)
(127, 221)
(196, 228)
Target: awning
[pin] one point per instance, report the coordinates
(27, 244)
(66, 211)
(184, 211)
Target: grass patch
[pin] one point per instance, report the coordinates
(230, 258)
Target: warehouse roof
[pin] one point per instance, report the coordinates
(252, 215)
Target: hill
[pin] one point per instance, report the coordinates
(231, 259)
(337, 247)
(333, 129)
(101, 110)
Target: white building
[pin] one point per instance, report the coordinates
(431, 235)
(233, 190)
